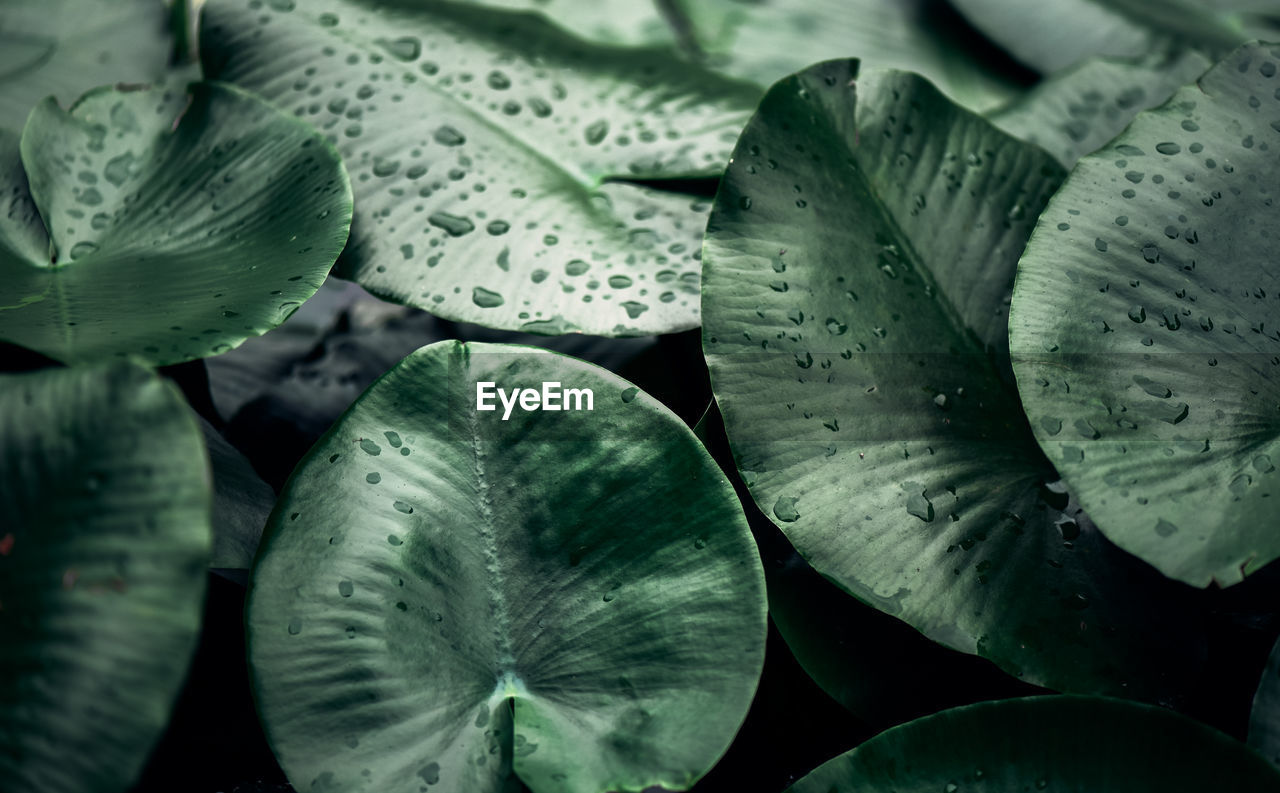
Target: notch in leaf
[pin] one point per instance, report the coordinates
(162, 224)
(445, 596)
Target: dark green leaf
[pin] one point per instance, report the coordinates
(164, 225)
(241, 503)
(1054, 744)
(856, 260)
(1145, 328)
(1056, 35)
(765, 40)
(491, 155)
(445, 595)
(104, 540)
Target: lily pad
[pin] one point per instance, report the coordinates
(1046, 743)
(765, 40)
(1145, 328)
(1076, 111)
(162, 224)
(494, 156)
(856, 260)
(449, 596)
(62, 48)
(104, 540)
(1054, 36)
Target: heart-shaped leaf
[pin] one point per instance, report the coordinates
(1075, 112)
(63, 48)
(491, 153)
(856, 260)
(161, 224)
(1264, 720)
(1145, 328)
(1054, 36)
(1046, 743)
(451, 595)
(104, 539)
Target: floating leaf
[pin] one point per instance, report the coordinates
(1075, 112)
(765, 40)
(63, 48)
(892, 453)
(493, 156)
(1045, 743)
(450, 595)
(104, 539)
(1053, 36)
(1145, 311)
(163, 225)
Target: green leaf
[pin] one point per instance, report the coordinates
(765, 40)
(63, 48)
(162, 224)
(1053, 36)
(625, 22)
(856, 260)
(491, 153)
(447, 595)
(1046, 743)
(1145, 329)
(1264, 720)
(241, 503)
(104, 539)
(1075, 112)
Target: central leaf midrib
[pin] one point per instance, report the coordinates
(505, 659)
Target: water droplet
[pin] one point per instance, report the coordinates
(405, 48)
(1165, 529)
(295, 626)
(498, 81)
(629, 394)
(835, 327)
(497, 227)
(486, 298)
(346, 588)
(596, 133)
(634, 309)
(401, 506)
(430, 773)
(448, 136)
(118, 169)
(1168, 148)
(373, 478)
(82, 248)
(370, 447)
(453, 225)
(784, 509)
(920, 507)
